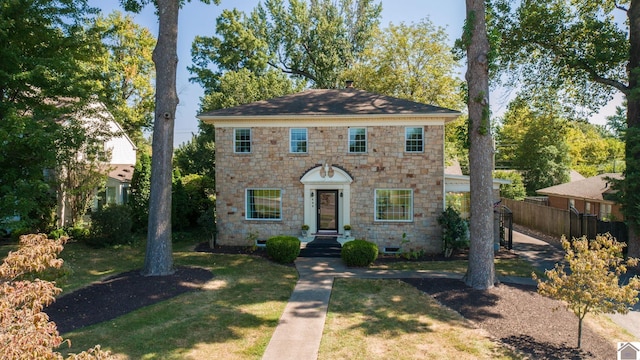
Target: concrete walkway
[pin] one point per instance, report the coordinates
(299, 332)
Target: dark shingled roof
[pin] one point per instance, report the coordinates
(333, 103)
(591, 188)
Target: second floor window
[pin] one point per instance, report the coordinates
(298, 141)
(357, 140)
(242, 143)
(414, 139)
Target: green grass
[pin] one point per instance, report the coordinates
(86, 264)
(389, 319)
(234, 315)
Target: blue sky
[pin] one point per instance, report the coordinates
(197, 18)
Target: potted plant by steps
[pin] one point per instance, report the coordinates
(347, 230)
(455, 234)
(305, 230)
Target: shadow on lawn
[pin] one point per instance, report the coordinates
(387, 307)
(472, 304)
(227, 288)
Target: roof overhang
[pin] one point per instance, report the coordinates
(328, 120)
(461, 183)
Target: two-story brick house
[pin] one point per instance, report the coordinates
(326, 158)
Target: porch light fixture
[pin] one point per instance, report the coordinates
(340, 193)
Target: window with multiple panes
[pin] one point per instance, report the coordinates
(264, 204)
(242, 140)
(298, 140)
(414, 139)
(357, 140)
(394, 205)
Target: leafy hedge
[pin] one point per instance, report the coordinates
(283, 249)
(110, 225)
(359, 253)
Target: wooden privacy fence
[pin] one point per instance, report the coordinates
(545, 219)
(559, 222)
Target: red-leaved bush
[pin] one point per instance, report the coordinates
(25, 330)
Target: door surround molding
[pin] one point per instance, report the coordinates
(326, 177)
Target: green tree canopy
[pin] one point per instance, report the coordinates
(47, 74)
(533, 140)
(128, 72)
(314, 42)
(575, 47)
(410, 62)
(585, 52)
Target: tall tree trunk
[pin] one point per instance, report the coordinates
(159, 258)
(481, 272)
(632, 152)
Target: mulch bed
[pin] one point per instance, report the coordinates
(520, 318)
(517, 316)
(121, 294)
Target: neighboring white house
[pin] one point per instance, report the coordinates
(123, 160)
(119, 170)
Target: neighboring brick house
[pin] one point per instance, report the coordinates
(326, 158)
(589, 196)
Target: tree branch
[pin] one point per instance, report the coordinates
(287, 70)
(620, 7)
(603, 80)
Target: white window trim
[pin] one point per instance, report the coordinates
(235, 141)
(306, 139)
(366, 140)
(246, 204)
(375, 206)
(406, 139)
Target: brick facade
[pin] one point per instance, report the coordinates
(385, 166)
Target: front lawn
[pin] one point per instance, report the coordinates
(232, 317)
(390, 319)
(236, 312)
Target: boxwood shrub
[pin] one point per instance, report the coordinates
(283, 249)
(359, 253)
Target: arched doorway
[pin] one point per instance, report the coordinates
(327, 199)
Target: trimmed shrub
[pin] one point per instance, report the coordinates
(57, 234)
(283, 249)
(78, 233)
(110, 225)
(359, 253)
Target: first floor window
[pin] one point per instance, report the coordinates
(110, 193)
(264, 204)
(394, 205)
(414, 139)
(242, 143)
